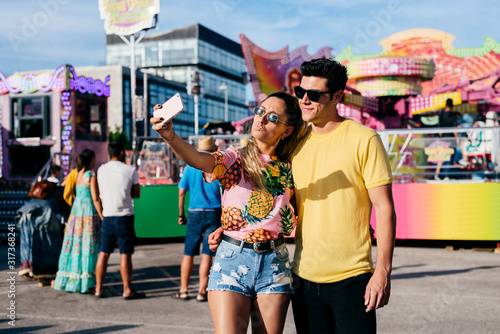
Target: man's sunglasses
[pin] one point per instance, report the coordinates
(313, 95)
(273, 118)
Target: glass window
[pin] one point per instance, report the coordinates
(31, 107)
(90, 118)
(152, 55)
(31, 117)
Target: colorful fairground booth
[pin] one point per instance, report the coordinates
(50, 115)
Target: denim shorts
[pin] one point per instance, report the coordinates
(199, 226)
(121, 229)
(241, 270)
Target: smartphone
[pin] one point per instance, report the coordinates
(170, 108)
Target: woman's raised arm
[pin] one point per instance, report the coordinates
(200, 160)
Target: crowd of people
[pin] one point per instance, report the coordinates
(101, 215)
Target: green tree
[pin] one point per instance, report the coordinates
(119, 134)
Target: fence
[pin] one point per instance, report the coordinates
(423, 155)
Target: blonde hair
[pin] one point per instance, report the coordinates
(250, 158)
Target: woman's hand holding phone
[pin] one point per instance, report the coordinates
(164, 113)
(165, 130)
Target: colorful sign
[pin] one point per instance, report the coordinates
(58, 81)
(350, 111)
(466, 108)
(272, 72)
(385, 65)
(439, 151)
(424, 104)
(447, 211)
(89, 85)
(127, 17)
(361, 101)
(389, 86)
(453, 65)
(67, 130)
(30, 83)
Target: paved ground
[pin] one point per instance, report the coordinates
(433, 291)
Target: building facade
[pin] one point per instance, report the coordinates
(172, 56)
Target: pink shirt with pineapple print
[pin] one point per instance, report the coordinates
(248, 213)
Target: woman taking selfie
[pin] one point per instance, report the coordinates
(251, 265)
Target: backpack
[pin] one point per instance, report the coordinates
(42, 189)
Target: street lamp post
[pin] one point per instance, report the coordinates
(133, 111)
(226, 112)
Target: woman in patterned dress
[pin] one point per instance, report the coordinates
(251, 265)
(76, 271)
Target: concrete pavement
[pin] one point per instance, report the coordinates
(433, 291)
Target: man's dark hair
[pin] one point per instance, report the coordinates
(449, 103)
(54, 169)
(332, 70)
(114, 148)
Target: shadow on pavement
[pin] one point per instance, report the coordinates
(438, 273)
(108, 329)
(30, 329)
(409, 266)
(160, 279)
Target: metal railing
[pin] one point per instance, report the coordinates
(156, 163)
(56, 158)
(420, 155)
(415, 155)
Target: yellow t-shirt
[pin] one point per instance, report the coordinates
(332, 173)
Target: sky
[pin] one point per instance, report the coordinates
(43, 34)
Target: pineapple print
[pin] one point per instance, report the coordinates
(278, 178)
(219, 170)
(261, 202)
(286, 221)
(258, 235)
(232, 176)
(232, 219)
(219, 158)
(286, 176)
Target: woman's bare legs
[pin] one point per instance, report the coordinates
(269, 313)
(230, 311)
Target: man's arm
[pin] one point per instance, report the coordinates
(182, 214)
(136, 191)
(378, 289)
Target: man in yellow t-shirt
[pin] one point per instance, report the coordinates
(340, 170)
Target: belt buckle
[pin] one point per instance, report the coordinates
(256, 246)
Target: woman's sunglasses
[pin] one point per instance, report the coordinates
(313, 95)
(273, 118)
